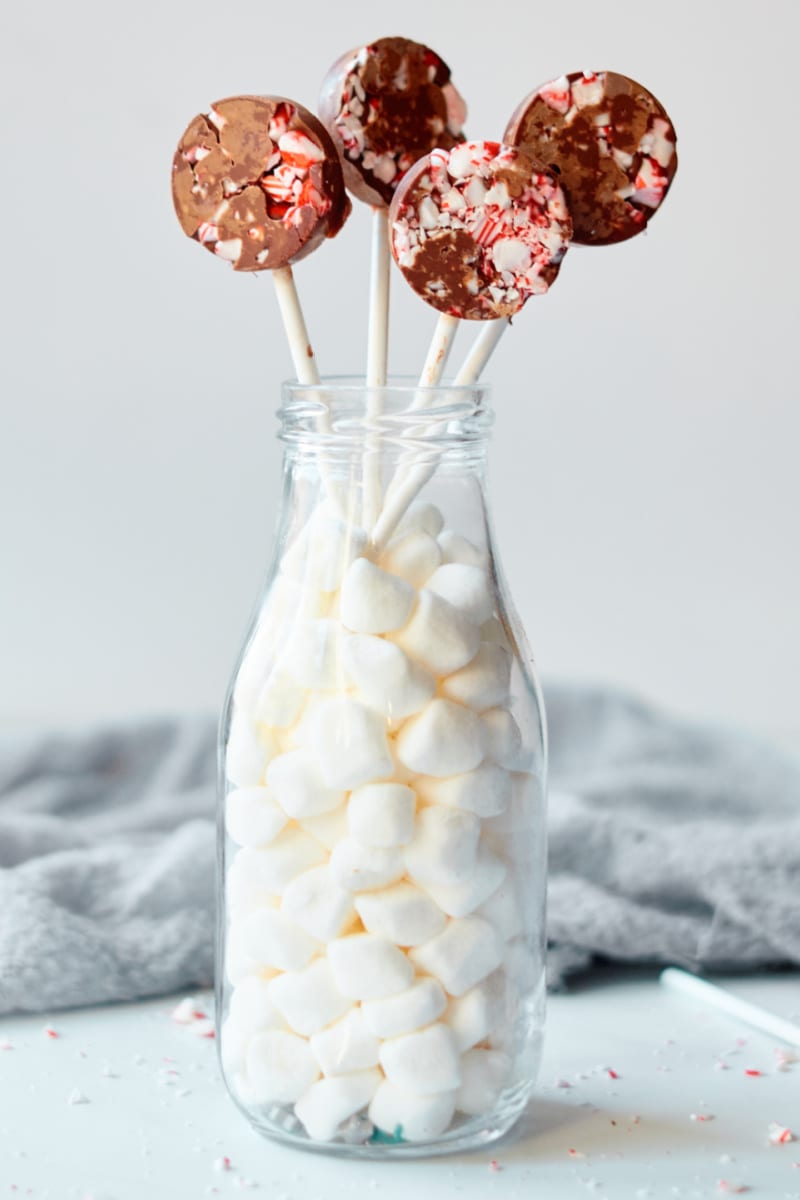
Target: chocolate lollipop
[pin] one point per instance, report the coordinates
(611, 143)
(257, 181)
(386, 105)
(479, 229)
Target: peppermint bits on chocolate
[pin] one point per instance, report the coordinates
(479, 229)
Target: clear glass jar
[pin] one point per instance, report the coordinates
(380, 986)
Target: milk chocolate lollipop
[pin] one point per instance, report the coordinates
(387, 104)
(612, 144)
(258, 182)
(479, 229)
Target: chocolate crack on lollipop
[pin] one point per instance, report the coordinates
(612, 144)
(258, 182)
(479, 229)
(386, 105)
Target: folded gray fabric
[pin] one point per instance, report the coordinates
(669, 843)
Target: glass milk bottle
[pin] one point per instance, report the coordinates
(382, 780)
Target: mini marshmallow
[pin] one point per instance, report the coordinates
(313, 654)
(485, 790)
(414, 1118)
(367, 967)
(309, 999)
(504, 740)
(382, 814)
(232, 1046)
(245, 886)
(349, 742)
(349, 1045)
(248, 751)
(484, 682)
(438, 635)
(502, 910)
(402, 913)
(251, 1009)
(525, 806)
(493, 631)
(467, 588)
(464, 897)
(413, 557)
(412, 1009)
(291, 853)
(329, 829)
(279, 701)
(457, 549)
(358, 868)
(326, 1104)
(461, 955)
(274, 940)
(473, 1016)
(386, 678)
(484, 1075)
(252, 816)
(318, 904)
(444, 739)
(323, 551)
(421, 515)
(424, 1063)
(238, 964)
(280, 1067)
(373, 600)
(297, 785)
(445, 845)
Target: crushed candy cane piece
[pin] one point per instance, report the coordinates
(752, 1072)
(779, 1134)
(222, 1164)
(576, 1153)
(562, 1083)
(5, 1044)
(186, 1012)
(785, 1058)
(48, 1031)
(612, 1074)
(724, 1185)
(76, 1096)
(494, 1165)
(701, 1116)
(203, 1028)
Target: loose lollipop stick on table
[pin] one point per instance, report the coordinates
(717, 997)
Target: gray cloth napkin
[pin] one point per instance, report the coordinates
(669, 843)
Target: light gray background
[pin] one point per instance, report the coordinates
(644, 477)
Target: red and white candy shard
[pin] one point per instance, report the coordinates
(479, 229)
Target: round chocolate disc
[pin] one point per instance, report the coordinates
(386, 105)
(258, 182)
(478, 229)
(612, 145)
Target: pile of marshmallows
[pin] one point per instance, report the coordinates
(375, 944)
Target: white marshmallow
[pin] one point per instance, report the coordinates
(457, 549)
(245, 885)
(318, 904)
(329, 829)
(462, 898)
(367, 967)
(274, 940)
(484, 1075)
(291, 853)
(358, 868)
(413, 557)
(424, 1063)
(473, 1016)
(386, 678)
(238, 964)
(412, 1009)
(382, 814)
(444, 739)
(414, 1118)
(502, 910)
(421, 515)
(309, 999)
(504, 740)
(493, 631)
(525, 807)
(372, 600)
(484, 682)
(326, 1104)
(445, 845)
(323, 551)
(285, 601)
(462, 955)
(467, 588)
(248, 751)
(251, 1009)
(297, 785)
(438, 635)
(349, 1045)
(313, 654)
(485, 790)
(232, 1046)
(279, 701)
(280, 1067)
(252, 816)
(402, 913)
(349, 742)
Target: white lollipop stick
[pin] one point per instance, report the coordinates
(438, 353)
(717, 997)
(294, 323)
(482, 350)
(377, 354)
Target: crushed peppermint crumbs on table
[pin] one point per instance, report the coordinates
(778, 1135)
(48, 1031)
(76, 1096)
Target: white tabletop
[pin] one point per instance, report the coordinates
(684, 1118)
